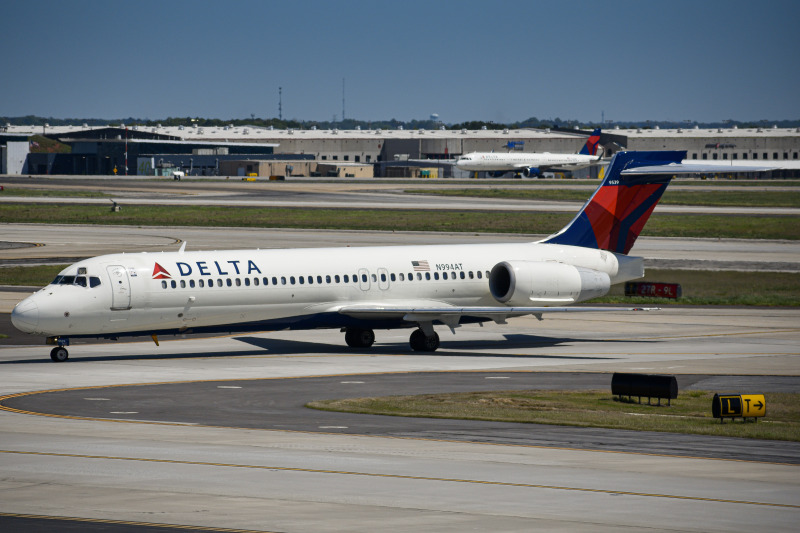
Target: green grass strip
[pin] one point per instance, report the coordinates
(721, 198)
(661, 225)
(689, 413)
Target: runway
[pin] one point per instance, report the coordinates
(193, 449)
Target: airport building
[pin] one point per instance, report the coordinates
(356, 153)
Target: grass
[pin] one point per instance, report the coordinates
(660, 225)
(690, 413)
(31, 276)
(708, 287)
(721, 198)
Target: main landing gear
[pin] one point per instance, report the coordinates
(359, 338)
(59, 354)
(364, 338)
(420, 342)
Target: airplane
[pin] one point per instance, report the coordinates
(362, 289)
(529, 164)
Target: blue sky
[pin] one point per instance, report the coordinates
(502, 60)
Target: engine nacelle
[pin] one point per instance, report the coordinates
(527, 283)
(530, 172)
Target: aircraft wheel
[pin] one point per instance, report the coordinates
(359, 338)
(424, 343)
(59, 354)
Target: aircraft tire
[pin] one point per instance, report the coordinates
(359, 338)
(423, 343)
(59, 354)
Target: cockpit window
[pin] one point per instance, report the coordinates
(94, 281)
(80, 280)
(67, 280)
(56, 281)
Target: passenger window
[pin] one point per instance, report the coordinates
(428, 276)
(266, 280)
(163, 284)
(444, 275)
(173, 284)
(479, 274)
(364, 277)
(346, 278)
(201, 283)
(471, 275)
(291, 280)
(336, 278)
(462, 275)
(436, 275)
(275, 280)
(392, 277)
(191, 283)
(327, 279)
(238, 282)
(301, 280)
(219, 282)
(255, 282)
(228, 282)
(419, 276)
(402, 277)
(319, 279)
(283, 280)
(183, 284)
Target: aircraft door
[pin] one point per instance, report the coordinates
(363, 279)
(383, 279)
(120, 287)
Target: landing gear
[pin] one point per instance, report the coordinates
(59, 354)
(359, 338)
(424, 343)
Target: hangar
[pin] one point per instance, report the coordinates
(426, 153)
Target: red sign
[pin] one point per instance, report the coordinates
(653, 290)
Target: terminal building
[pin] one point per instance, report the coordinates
(229, 150)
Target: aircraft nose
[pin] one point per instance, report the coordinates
(25, 316)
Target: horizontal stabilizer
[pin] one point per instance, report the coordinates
(678, 168)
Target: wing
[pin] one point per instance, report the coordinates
(425, 313)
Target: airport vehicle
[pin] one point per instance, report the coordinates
(359, 289)
(529, 164)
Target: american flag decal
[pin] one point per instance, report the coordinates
(421, 266)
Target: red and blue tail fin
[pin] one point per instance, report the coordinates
(590, 148)
(618, 210)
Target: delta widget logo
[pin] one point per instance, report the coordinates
(160, 272)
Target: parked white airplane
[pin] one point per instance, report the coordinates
(358, 289)
(529, 164)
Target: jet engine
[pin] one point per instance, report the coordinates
(530, 172)
(526, 283)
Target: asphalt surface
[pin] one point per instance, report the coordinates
(279, 404)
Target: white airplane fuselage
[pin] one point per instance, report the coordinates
(491, 161)
(251, 290)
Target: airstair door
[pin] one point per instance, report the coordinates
(120, 287)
